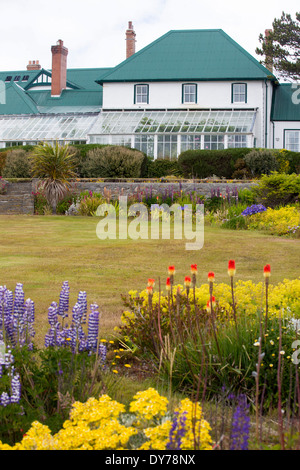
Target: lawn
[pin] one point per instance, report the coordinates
(43, 251)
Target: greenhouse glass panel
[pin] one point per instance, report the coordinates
(190, 142)
(160, 122)
(145, 143)
(214, 142)
(45, 127)
(237, 141)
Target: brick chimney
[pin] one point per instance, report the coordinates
(59, 68)
(34, 65)
(130, 40)
(268, 58)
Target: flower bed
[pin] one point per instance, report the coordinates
(104, 424)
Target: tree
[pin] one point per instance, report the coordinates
(281, 46)
(54, 165)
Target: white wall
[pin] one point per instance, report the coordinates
(279, 127)
(169, 95)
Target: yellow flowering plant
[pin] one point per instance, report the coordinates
(141, 323)
(105, 424)
(276, 221)
(211, 332)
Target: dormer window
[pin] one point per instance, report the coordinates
(189, 93)
(239, 93)
(141, 94)
(8, 78)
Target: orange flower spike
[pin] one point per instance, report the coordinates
(171, 270)
(151, 282)
(208, 305)
(211, 276)
(231, 267)
(150, 290)
(187, 281)
(267, 271)
(168, 284)
(194, 269)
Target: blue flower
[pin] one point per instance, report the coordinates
(240, 425)
(254, 209)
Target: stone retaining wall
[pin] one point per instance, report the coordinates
(132, 188)
(19, 198)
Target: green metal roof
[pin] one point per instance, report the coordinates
(86, 78)
(77, 98)
(189, 55)
(24, 98)
(17, 101)
(284, 107)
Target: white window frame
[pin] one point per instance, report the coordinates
(294, 146)
(187, 93)
(239, 95)
(141, 93)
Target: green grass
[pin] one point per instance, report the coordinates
(43, 251)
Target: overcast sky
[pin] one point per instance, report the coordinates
(94, 30)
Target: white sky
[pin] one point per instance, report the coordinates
(94, 30)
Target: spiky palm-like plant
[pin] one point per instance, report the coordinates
(54, 165)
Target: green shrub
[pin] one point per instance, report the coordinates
(234, 219)
(289, 162)
(89, 203)
(2, 161)
(241, 170)
(163, 167)
(113, 162)
(206, 163)
(246, 196)
(261, 161)
(17, 164)
(65, 203)
(277, 189)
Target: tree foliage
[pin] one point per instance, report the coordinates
(282, 46)
(54, 165)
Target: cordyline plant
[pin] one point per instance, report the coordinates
(54, 165)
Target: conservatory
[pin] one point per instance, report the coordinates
(34, 128)
(165, 134)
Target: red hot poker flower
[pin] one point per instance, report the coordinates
(187, 281)
(168, 284)
(150, 290)
(208, 305)
(151, 282)
(267, 270)
(194, 269)
(211, 276)
(171, 270)
(231, 267)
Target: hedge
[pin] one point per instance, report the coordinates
(206, 163)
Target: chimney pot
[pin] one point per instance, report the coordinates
(33, 65)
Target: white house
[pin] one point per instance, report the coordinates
(189, 89)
